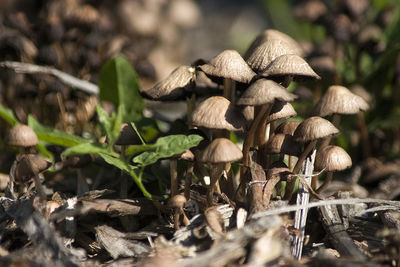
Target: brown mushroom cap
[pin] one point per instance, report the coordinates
(260, 56)
(332, 158)
(340, 100)
(281, 110)
(310, 10)
(217, 112)
(221, 150)
(283, 144)
(22, 136)
(264, 91)
(292, 65)
(229, 64)
(187, 155)
(314, 128)
(127, 136)
(360, 91)
(287, 127)
(174, 86)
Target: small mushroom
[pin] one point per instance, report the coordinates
(177, 203)
(331, 159)
(28, 166)
(309, 132)
(219, 154)
(22, 136)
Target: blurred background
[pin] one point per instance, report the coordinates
(354, 43)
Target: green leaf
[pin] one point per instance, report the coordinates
(135, 149)
(8, 115)
(54, 136)
(119, 84)
(88, 148)
(167, 147)
(116, 161)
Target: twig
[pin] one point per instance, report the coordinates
(347, 201)
(66, 78)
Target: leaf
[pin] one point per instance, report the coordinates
(111, 124)
(54, 136)
(117, 162)
(135, 149)
(88, 148)
(167, 147)
(8, 115)
(119, 84)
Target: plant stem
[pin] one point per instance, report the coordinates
(138, 181)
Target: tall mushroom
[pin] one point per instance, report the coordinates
(230, 66)
(336, 101)
(331, 159)
(309, 132)
(219, 154)
(269, 45)
(289, 67)
(22, 136)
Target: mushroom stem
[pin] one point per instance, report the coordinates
(188, 179)
(228, 88)
(39, 187)
(364, 135)
(82, 186)
(335, 122)
(190, 105)
(216, 171)
(297, 167)
(249, 140)
(287, 80)
(326, 183)
(173, 167)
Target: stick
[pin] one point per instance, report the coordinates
(66, 78)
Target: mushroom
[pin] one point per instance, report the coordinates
(219, 154)
(127, 136)
(288, 67)
(179, 84)
(288, 127)
(177, 203)
(78, 162)
(22, 136)
(261, 93)
(269, 45)
(230, 66)
(336, 101)
(331, 159)
(217, 113)
(188, 156)
(279, 110)
(309, 132)
(28, 166)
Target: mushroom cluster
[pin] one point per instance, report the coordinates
(250, 95)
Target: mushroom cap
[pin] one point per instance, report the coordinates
(177, 201)
(127, 136)
(259, 57)
(283, 144)
(310, 10)
(332, 158)
(293, 65)
(340, 100)
(221, 150)
(187, 155)
(287, 127)
(280, 110)
(229, 64)
(174, 86)
(324, 64)
(77, 161)
(264, 91)
(314, 128)
(360, 91)
(217, 112)
(22, 135)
